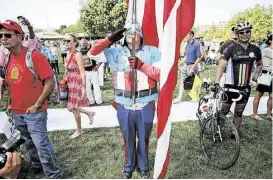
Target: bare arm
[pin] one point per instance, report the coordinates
(197, 61)
(222, 65)
(47, 90)
(30, 28)
(80, 62)
(258, 70)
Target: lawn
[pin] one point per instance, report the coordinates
(99, 152)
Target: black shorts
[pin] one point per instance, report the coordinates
(263, 88)
(228, 96)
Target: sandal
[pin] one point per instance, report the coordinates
(75, 135)
(257, 118)
(91, 118)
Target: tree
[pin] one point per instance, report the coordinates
(75, 28)
(101, 17)
(259, 16)
(63, 27)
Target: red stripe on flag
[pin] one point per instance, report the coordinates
(149, 28)
(168, 6)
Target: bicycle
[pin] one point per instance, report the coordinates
(219, 138)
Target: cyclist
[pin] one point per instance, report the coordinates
(239, 59)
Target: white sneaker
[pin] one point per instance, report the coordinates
(177, 100)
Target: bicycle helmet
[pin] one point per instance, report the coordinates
(242, 26)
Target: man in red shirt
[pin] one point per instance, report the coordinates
(28, 97)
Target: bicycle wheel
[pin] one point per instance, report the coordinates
(219, 147)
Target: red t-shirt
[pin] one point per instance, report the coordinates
(20, 80)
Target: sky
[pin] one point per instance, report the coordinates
(51, 14)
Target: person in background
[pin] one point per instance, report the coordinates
(63, 51)
(267, 58)
(192, 58)
(92, 76)
(204, 54)
(44, 49)
(212, 56)
(76, 82)
(263, 45)
(54, 60)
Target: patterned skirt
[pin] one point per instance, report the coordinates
(74, 83)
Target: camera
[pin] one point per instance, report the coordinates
(12, 144)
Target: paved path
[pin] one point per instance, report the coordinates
(61, 119)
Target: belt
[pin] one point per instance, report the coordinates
(189, 63)
(139, 94)
(137, 106)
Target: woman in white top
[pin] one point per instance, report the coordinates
(267, 57)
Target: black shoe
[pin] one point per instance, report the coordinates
(127, 175)
(144, 174)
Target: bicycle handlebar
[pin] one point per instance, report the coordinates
(236, 91)
(240, 92)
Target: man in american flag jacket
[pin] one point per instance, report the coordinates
(135, 119)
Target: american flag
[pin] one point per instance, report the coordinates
(165, 23)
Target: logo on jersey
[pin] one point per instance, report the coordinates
(15, 74)
(252, 55)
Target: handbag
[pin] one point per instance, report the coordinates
(63, 91)
(63, 88)
(188, 83)
(265, 79)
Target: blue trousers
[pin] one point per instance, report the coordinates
(134, 124)
(34, 128)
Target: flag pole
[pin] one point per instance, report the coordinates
(133, 53)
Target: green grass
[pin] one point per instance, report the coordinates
(99, 153)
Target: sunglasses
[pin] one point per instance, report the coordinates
(244, 32)
(67, 41)
(8, 36)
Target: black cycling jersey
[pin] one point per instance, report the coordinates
(240, 63)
